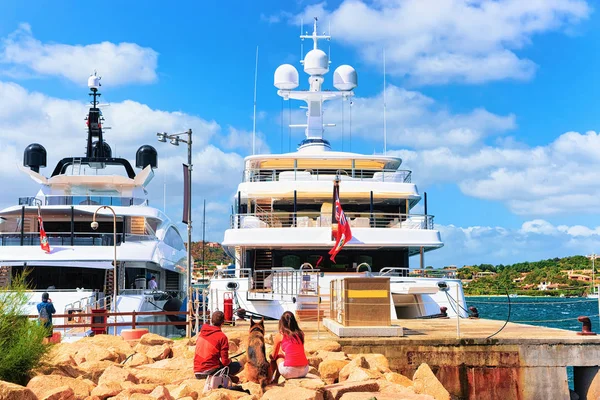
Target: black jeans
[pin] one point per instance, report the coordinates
(234, 368)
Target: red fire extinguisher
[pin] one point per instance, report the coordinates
(228, 306)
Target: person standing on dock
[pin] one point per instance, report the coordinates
(45, 311)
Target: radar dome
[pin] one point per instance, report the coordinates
(316, 62)
(286, 77)
(94, 82)
(345, 78)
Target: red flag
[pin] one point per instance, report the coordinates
(344, 234)
(43, 238)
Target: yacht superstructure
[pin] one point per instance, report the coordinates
(281, 228)
(78, 270)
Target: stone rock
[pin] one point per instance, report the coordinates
(116, 343)
(161, 392)
(146, 374)
(337, 390)
(310, 381)
(233, 348)
(254, 388)
(152, 339)
(60, 393)
(94, 369)
(159, 352)
(331, 355)
(329, 370)
(292, 393)
(183, 390)
(314, 371)
(425, 382)
(11, 391)
(96, 353)
(116, 374)
(362, 374)
(238, 337)
(376, 361)
(398, 379)
(408, 395)
(93, 398)
(107, 390)
(196, 385)
(312, 346)
(173, 363)
(181, 350)
(249, 397)
(269, 338)
(144, 388)
(224, 394)
(42, 384)
(314, 361)
(138, 359)
(359, 362)
(132, 396)
(67, 370)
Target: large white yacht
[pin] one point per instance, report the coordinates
(281, 229)
(78, 270)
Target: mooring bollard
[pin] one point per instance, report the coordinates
(586, 328)
(474, 312)
(443, 311)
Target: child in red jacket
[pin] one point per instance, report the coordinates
(212, 349)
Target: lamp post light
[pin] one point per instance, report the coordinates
(175, 139)
(94, 226)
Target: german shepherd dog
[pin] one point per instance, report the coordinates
(257, 369)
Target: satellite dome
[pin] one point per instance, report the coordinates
(286, 77)
(34, 157)
(146, 155)
(94, 82)
(345, 78)
(316, 62)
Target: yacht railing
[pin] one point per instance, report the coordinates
(66, 239)
(375, 175)
(320, 220)
(56, 200)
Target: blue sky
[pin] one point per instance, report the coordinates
(492, 104)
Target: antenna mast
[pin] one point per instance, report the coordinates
(254, 119)
(384, 109)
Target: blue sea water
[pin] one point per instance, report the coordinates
(543, 311)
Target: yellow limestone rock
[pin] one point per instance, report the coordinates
(152, 339)
(329, 370)
(11, 391)
(292, 393)
(41, 385)
(312, 346)
(60, 393)
(425, 382)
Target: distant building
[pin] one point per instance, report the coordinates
(484, 274)
(213, 245)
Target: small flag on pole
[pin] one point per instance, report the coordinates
(43, 238)
(343, 233)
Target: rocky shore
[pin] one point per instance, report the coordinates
(154, 367)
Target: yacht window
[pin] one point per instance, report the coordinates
(173, 239)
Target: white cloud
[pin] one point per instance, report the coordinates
(555, 178)
(535, 240)
(242, 140)
(21, 54)
(438, 41)
(413, 120)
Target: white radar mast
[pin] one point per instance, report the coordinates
(316, 65)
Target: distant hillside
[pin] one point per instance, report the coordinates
(568, 276)
(213, 254)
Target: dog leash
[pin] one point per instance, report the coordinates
(237, 355)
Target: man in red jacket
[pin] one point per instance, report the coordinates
(212, 349)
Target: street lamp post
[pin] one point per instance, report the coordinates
(94, 225)
(175, 139)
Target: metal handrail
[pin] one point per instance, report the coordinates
(62, 200)
(64, 238)
(378, 175)
(314, 219)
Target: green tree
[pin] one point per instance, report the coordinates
(21, 339)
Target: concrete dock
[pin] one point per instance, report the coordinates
(521, 362)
